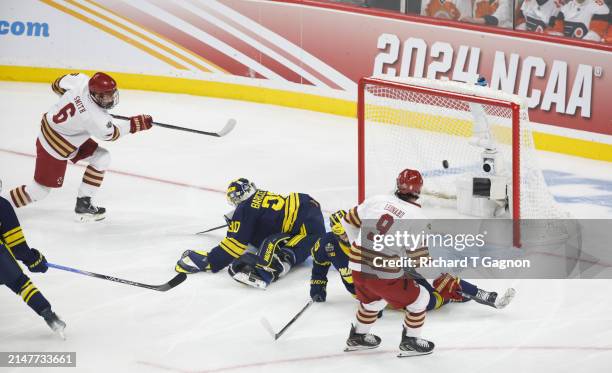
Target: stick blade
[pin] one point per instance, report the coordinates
(268, 327)
(174, 282)
(229, 126)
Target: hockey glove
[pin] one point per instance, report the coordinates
(193, 261)
(448, 287)
(140, 122)
(318, 291)
(37, 262)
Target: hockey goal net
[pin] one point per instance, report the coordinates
(429, 125)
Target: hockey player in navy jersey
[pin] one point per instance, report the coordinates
(13, 248)
(267, 235)
(332, 249)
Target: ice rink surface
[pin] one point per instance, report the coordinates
(165, 185)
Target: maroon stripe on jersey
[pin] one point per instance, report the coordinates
(55, 140)
(20, 197)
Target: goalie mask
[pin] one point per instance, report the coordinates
(240, 190)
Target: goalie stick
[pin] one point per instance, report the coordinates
(175, 281)
(266, 324)
(229, 126)
(212, 229)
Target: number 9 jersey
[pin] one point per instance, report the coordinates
(75, 118)
(383, 228)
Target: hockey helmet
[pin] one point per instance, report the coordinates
(239, 190)
(103, 90)
(409, 182)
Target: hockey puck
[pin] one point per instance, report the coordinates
(445, 163)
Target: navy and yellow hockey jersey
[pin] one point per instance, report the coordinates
(262, 215)
(11, 234)
(327, 252)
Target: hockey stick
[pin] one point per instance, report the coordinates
(266, 324)
(176, 280)
(213, 229)
(229, 126)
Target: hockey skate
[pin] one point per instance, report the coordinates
(493, 300)
(251, 278)
(54, 322)
(504, 300)
(85, 211)
(356, 342)
(412, 346)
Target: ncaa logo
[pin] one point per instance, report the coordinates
(60, 181)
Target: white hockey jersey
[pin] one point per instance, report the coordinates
(587, 20)
(380, 216)
(447, 9)
(538, 15)
(75, 118)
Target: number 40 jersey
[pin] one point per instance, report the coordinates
(378, 217)
(75, 118)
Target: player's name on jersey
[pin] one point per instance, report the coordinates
(467, 262)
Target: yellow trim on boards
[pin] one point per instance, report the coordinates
(543, 141)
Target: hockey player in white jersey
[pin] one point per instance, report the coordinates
(66, 131)
(378, 284)
(537, 15)
(582, 19)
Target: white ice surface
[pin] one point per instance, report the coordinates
(166, 185)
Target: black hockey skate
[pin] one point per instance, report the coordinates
(493, 300)
(412, 346)
(54, 322)
(356, 342)
(85, 211)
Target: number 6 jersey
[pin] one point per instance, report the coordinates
(75, 118)
(384, 217)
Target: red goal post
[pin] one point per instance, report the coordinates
(450, 103)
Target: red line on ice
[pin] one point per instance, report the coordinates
(124, 173)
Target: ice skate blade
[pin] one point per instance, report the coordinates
(61, 334)
(412, 353)
(505, 300)
(87, 218)
(358, 348)
(250, 281)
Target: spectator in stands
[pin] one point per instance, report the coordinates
(447, 9)
(582, 19)
(491, 12)
(537, 15)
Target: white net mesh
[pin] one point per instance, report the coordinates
(409, 129)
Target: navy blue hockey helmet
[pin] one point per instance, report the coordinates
(239, 190)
